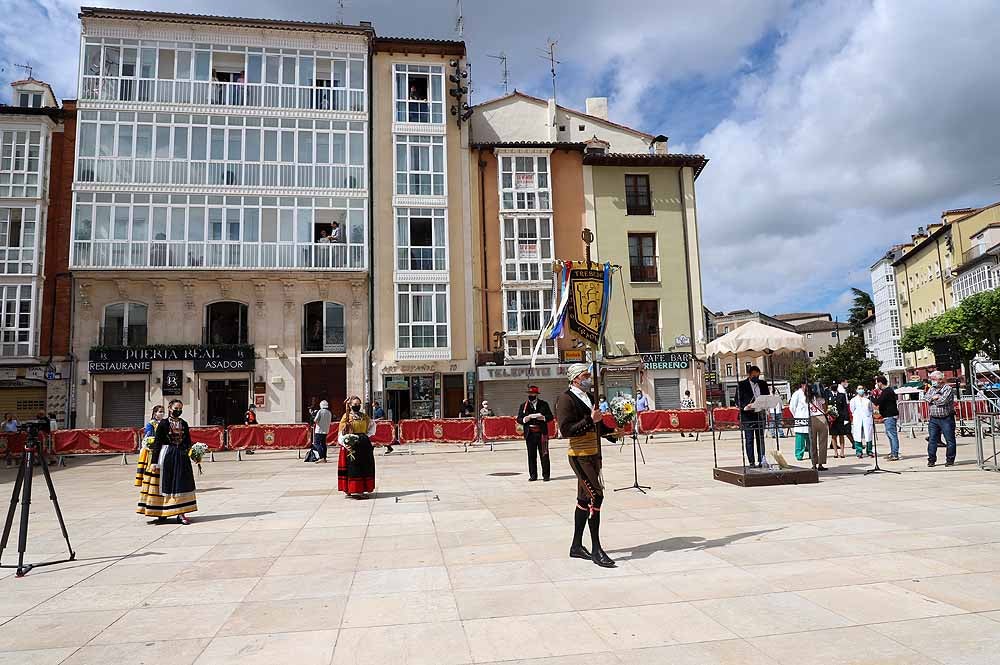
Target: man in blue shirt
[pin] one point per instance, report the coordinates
(641, 402)
(941, 398)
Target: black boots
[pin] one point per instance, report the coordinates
(577, 550)
(598, 555)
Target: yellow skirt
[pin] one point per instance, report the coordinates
(141, 465)
(154, 504)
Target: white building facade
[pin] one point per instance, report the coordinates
(887, 331)
(221, 216)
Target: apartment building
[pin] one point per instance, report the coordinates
(36, 163)
(221, 241)
(540, 174)
(424, 362)
(818, 329)
(887, 328)
(980, 267)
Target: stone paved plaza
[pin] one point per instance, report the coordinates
(458, 560)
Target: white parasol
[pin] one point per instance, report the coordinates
(756, 337)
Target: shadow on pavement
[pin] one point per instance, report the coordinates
(679, 543)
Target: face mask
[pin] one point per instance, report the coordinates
(754, 379)
(176, 413)
(356, 408)
(532, 398)
(587, 384)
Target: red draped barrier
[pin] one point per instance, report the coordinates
(457, 430)
(12, 443)
(210, 436)
(786, 413)
(726, 417)
(269, 437)
(383, 436)
(95, 441)
(506, 428)
(673, 420)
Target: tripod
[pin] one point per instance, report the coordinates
(877, 468)
(23, 485)
(635, 464)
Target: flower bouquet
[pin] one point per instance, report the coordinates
(350, 440)
(149, 442)
(197, 453)
(623, 409)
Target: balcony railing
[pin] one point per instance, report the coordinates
(129, 170)
(332, 342)
(643, 274)
(134, 335)
(217, 93)
(194, 255)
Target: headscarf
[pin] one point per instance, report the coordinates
(575, 370)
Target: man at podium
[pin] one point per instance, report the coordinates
(751, 421)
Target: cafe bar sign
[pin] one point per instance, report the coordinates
(139, 360)
(666, 360)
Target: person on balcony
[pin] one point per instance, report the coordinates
(337, 234)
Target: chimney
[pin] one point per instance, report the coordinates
(598, 107)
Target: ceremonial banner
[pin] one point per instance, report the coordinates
(12, 443)
(210, 436)
(452, 430)
(609, 420)
(590, 296)
(506, 428)
(561, 297)
(269, 437)
(384, 430)
(95, 441)
(673, 420)
(726, 417)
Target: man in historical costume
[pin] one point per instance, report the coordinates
(534, 416)
(752, 422)
(170, 490)
(580, 421)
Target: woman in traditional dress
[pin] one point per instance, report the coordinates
(171, 490)
(146, 445)
(356, 467)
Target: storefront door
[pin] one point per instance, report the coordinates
(453, 392)
(324, 379)
(227, 401)
(123, 404)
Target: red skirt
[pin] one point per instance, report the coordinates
(357, 475)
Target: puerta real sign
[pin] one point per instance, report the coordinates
(139, 360)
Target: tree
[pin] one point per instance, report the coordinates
(975, 325)
(847, 360)
(859, 310)
(800, 371)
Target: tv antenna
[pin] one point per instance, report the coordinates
(340, 11)
(460, 20)
(26, 67)
(549, 53)
(502, 57)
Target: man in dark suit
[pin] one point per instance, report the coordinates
(534, 415)
(752, 422)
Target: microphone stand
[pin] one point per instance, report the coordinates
(877, 468)
(636, 446)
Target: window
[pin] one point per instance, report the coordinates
(729, 369)
(324, 328)
(646, 325)
(16, 320)
(524, 183)
(527, 311)
(420, 165)
(809, 335)
(637, 198)
(33, 100)
(419, 93)
(747, 367)
(227, 323)
(421, 239)
(642, 257)
(17, 241)
(20, 152)
(527, 249)
(125, 324)
(422, 312)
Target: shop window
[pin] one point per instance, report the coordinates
(226, 323)
(125, 324)
(324, 328)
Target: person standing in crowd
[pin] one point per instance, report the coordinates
(466, 410)
(486, 411)
(534, 416)
(581, 422)
(171, 489)
(799, 405)
(10, 423)
(603, 404)
(641, 402)
(146, 445)
(888, 407)
(862, 423)
(752, 422)
(356, 466)
(321, 426)
(941, 398)
(841, 425)
(687, 402)
(378, 413)
(820, 433)
(250, 418)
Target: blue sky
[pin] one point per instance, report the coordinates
(834, 127)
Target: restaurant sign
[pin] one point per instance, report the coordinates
(139, 360)
(666, 360)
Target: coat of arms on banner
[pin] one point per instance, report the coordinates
(675, 421)
(269, 437)
(438, 431)
(94, 440)
(587, 303)
(519, 428)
